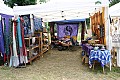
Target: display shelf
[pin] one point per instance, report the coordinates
(33, 57)
(33, 46)
(40, 45)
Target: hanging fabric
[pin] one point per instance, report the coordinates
(15, 56)
(6, 41)
(1, 38)
(23, 54)
(11, 41)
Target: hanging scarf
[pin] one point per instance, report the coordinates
(2, 50)
(16, 37)
(10, 32)
(23, 44)
(23, 55)
(15, 56)
(19, 32)
(11, 41)
(6, 42)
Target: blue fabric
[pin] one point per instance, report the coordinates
(37, 23)
(103, 57)
(1, 39)
(26, 23)
(19, 32)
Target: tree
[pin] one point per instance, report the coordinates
(113, 2)
(12, 3)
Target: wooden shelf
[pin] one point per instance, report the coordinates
(40, 48)
(33, 57)
(28, 38)
(44, 50)
(34, 46)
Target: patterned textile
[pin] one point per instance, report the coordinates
(26, 23)
(103, 57)
(67, 30)
(37, 23)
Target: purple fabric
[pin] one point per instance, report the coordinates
(87, 48)
(67, 29)
(1, 38)
(7, 17)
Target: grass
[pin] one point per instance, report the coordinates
(5, 68)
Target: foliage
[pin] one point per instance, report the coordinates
(12, 3)
(113, 2)
(43, 1)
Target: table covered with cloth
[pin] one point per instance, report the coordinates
(87, 48)
(102, 56)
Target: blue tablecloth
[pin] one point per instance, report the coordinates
(103, 57)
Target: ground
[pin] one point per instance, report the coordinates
(59, 65)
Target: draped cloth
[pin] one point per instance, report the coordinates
(6, 39)
(23, 55)
(19, 32)
(15, 56)
(1, 39)
(11, 41)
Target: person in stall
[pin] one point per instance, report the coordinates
(54, 41)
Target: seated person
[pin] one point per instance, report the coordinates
(54, 39)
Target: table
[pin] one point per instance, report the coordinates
(102, 56)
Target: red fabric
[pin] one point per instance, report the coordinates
(23, 44)
(15, 25)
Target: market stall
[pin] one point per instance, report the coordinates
(56, 11)
(114, 12)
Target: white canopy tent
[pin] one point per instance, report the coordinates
(63, 9)
(5, 9)
(56, 10)
(114, 10)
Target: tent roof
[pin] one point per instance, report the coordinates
(5, 9)
(115, 10)
(60, 10)
(70, 21)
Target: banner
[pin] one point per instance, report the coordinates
(67, 30)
